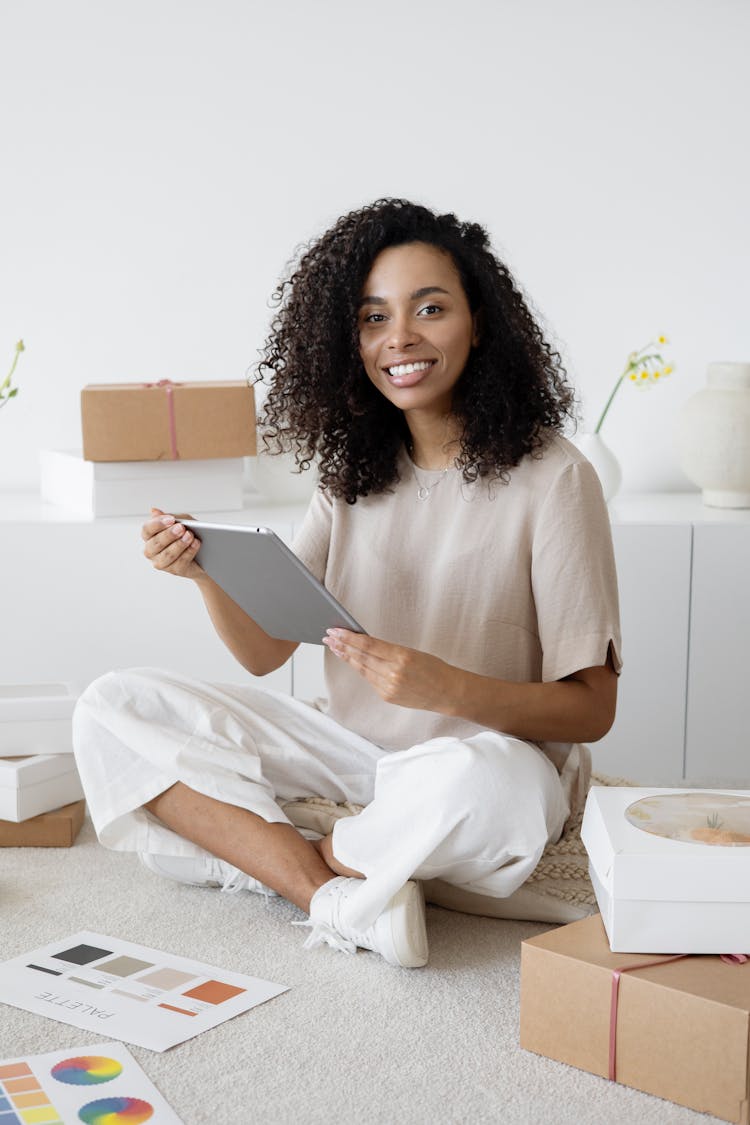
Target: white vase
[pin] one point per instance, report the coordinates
(713, 436)
(596, 450)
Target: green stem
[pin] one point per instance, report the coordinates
(9, 376)
(615, 389)
(5, 385)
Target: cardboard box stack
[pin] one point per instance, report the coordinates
(41, 798)
(670, 868)
(655, 991)
(55, 829)
(178, 445)
(680, 1029)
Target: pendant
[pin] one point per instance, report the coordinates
(422, 492)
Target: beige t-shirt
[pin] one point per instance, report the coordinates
(515, 581)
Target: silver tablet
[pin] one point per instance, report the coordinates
(269, 582)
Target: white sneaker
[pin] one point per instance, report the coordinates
(398, 934)
(203, 871)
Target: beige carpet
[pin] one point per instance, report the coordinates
(353, 1041)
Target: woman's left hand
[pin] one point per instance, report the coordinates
(399, 675)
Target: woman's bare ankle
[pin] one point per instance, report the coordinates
(325, 848)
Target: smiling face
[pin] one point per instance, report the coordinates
(416, 329)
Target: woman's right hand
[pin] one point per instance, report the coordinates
(171, 547)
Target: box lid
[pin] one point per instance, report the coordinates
(183, 469)
(701, 974)
(638, 863)
(191, 384)
(20, 702)
(15, 773)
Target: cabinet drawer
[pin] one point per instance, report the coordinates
(646, 743)
(718, 708)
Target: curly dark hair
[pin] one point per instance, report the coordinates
(511, 394)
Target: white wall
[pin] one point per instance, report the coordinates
(161, 159)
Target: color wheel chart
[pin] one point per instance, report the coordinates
(128, 991)
(98, 1085)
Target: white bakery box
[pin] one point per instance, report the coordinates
(127, 488)
(29, 786)
(36, 718)
(670, 868)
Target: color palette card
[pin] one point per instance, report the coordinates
(128, 991)
(97, 1085)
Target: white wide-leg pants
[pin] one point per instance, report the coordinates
(476, 812)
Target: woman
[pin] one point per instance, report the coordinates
(471, 541)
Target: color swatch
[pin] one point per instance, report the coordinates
(116, 1111)
(56, 1089)
(22, 1098)
(127, 991)
(86, 1070)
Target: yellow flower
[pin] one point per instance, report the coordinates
(644, 366)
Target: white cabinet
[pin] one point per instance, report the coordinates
(647, 742)
(307, 672)
(79, 599)
(718, 693)
(684, 704)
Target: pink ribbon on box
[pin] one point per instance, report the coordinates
(729, 958)
(169, 386)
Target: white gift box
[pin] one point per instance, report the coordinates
(29, 786)
(36, 719)
(672, 884)
(130, 488)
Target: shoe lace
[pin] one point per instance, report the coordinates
(237, 881)
(328, 934)
(323, 934)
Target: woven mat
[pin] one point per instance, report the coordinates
(562, 872)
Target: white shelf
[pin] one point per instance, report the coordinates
(671, 507)
(634, 507)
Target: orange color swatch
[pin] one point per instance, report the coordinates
(214, 992)
(15, 1070)
(15, 1085)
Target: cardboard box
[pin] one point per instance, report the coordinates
(167, 421)
(129, 488)
(36, 719)
(662, 882)
(29, 786)
(682, 1028)
(55, 829)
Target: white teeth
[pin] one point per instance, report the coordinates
(408, 368)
